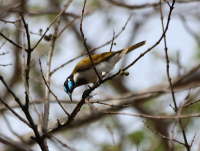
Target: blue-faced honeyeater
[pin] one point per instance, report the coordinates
(84, 73)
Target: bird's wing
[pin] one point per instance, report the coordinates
(97, 58)
(86, 63)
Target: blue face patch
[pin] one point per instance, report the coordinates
(64, 88)
(70, 85)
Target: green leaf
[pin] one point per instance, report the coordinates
(136, 137)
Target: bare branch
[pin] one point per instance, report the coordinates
(66, 27)
(10, 128)
(186, 105)
(10, 91)
(46, 102)
(168, 75)
(51, 91)
(140, 115)
(2, 46)
(5, 65)
(192, 33)
(63, 10)
(12, 22)
(121, 4)
(4, 53)
(15, 113)
(84, 42)
(121, 106)
(15, 145)
(27, 32)
(112, 41)
(111, 133)
(164, 137)
(9, 40)
(192, 140)
(63, 144)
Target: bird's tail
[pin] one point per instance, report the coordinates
(131, 48)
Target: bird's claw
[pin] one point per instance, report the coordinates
(86, 93)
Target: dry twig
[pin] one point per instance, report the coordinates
(84, 42)
(168, 74)
(51, 91)
(162, 135)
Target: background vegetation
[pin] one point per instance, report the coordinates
(155, 108)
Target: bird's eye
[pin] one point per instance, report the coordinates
(70, 85)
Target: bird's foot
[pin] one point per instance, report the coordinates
(98, 82)
(85, 93)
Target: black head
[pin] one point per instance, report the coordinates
(69, 86)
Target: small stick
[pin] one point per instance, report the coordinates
(84, 42)
(51, 91)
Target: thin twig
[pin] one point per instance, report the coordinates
(51, 91)
(172, 135)
(63, 10)
(140, 115)
(66, 26)
(27, 31)
(192, 140)
(10, 128)
(121, 4)
(130, 96)
(5, 65)
(168, 75)
(47, 77)
(186, 105)
(12, 22)
(142, 54)
(14, 145)
(26, 69)
(84, 42)
(26, 65)
(63, 144)
(38, 101)
(111, 133)
(192, 33)
(83, 100)
(9, 40)
(15, 113)
(11, 92)
(4, 53)
(3, 45)
(112, 41)
(162, 135)
(121, 106)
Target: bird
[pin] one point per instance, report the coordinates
(83, 73)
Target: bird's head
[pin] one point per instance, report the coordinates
(69, 86)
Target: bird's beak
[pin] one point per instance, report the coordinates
(70, 95)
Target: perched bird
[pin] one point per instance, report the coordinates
(84, 73)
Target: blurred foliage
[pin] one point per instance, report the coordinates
(97, 134)
(136, 137)
(108, 148)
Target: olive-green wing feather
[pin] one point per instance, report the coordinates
(97, 58)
